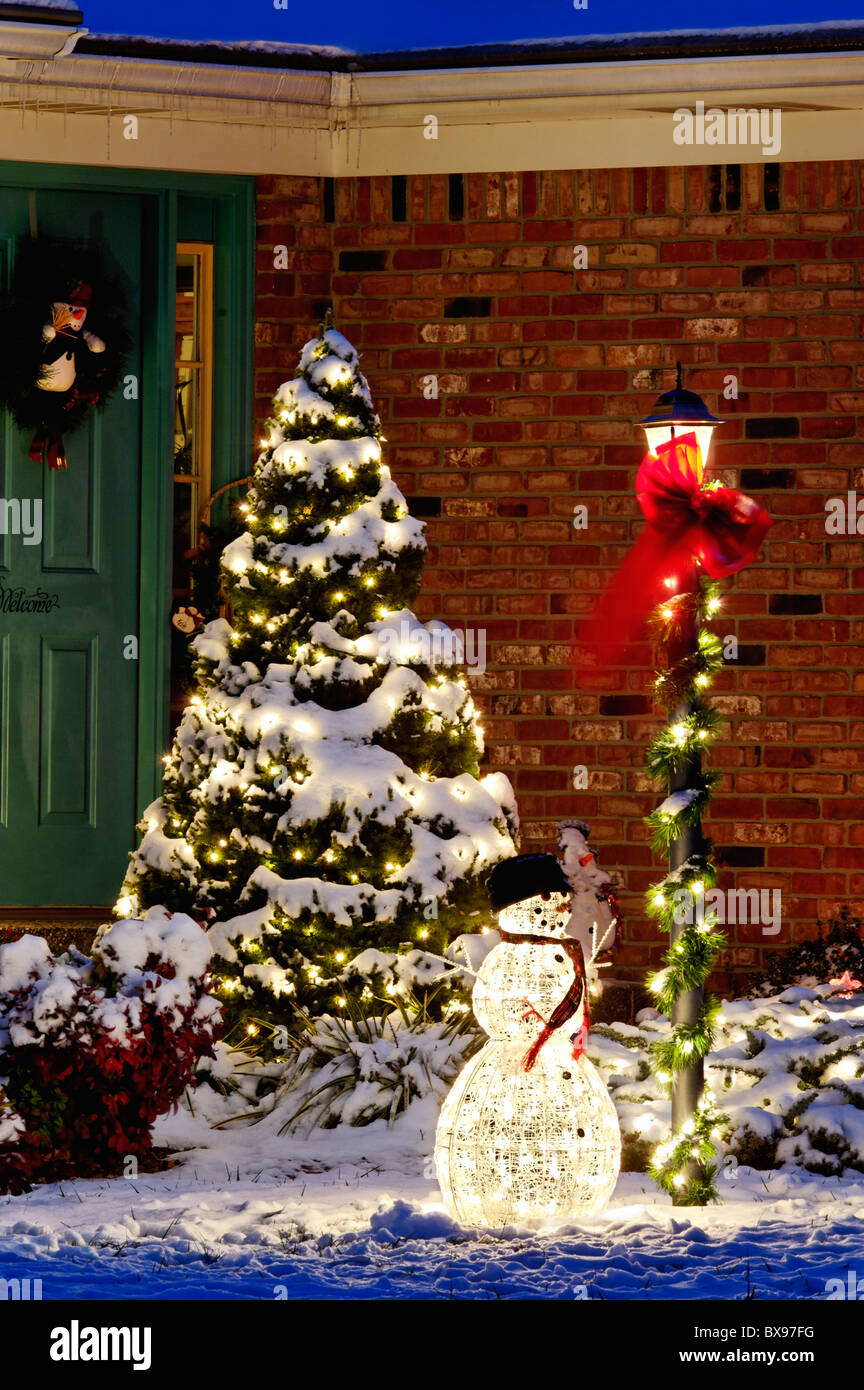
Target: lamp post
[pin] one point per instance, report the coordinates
(674, 413)
(680, 412)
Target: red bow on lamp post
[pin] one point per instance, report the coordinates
(690, 527)
(720, 528)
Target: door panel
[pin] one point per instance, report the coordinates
(68, 724)
(70, 523)
(4, 729)
(67, 727)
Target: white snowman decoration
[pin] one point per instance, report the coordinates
(593, 906)
(528, 1132)
(65, 339)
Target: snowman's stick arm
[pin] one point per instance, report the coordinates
(454, 964)
(598, 945)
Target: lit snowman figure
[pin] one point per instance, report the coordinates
(528, 1132)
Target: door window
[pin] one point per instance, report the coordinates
(193, 402)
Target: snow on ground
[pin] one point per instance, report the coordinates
(356, 1213)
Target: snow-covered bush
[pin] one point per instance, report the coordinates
(786, 1072)
(93, 1050)
(356, 1069)
(12, 1162)
(823, 957)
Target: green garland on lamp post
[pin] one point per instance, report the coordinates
(697, 532)
(683, 1165)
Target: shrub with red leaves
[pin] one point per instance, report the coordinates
(92, 1051)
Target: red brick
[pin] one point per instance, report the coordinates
(713, 328)
(687, 251)
(770, 327)
(741, 249)
(602, 330)
(789, 249)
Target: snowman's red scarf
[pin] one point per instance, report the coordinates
(568, 1005)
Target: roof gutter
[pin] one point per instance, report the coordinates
(683, 46)
(71, 42)
(29, 42)
(313, 118)
(41, 14)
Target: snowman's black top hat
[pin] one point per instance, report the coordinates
(525, 876)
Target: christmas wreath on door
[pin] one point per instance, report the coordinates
(63, 339)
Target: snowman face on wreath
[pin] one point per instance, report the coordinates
(546, 914)
(69, 315)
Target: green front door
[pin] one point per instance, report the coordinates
(69, 676)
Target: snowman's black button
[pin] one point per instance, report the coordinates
(559, 958)
(567, 1075)
(581, 1133)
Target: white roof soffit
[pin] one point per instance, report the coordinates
(251, 119)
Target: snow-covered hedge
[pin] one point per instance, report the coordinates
(787, 1072)
(354, 1070)
(93, 1050)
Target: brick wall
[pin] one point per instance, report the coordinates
(752, 271)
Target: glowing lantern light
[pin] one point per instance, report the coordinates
(680, 412)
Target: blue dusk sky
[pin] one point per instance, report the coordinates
(367, 25)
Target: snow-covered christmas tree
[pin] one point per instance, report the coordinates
(321, 803)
